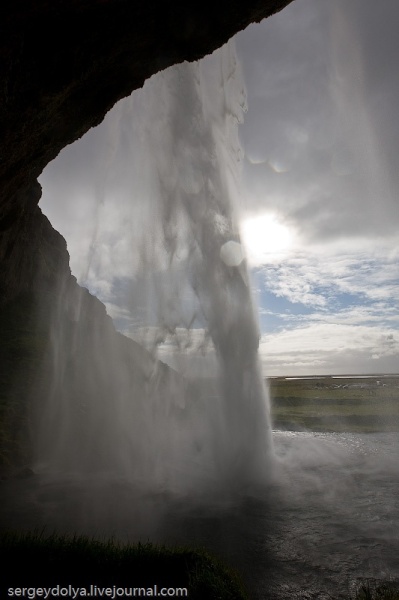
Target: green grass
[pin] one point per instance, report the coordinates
(327, 404)
(37, 560)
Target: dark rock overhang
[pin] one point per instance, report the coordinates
(65, 63)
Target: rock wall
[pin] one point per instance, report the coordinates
(62, 363)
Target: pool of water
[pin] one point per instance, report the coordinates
(327, 519)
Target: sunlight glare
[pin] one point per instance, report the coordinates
(264, 236)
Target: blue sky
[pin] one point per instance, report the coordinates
(341, 318)
(318, 202)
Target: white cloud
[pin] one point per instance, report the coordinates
(317, 278)
(322, 348)
(320, 112)
(346, 316)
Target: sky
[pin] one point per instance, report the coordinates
(318, 206)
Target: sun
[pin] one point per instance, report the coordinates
(264, 236)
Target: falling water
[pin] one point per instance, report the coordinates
(166, 227)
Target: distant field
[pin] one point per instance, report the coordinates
(369, 404)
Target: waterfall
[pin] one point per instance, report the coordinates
(164, 245)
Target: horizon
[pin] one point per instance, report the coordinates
(335, 376)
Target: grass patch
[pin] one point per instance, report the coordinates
(364, 405)
(37, 560)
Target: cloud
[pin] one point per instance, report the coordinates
(329, 348)
(320, 136)
(318, 278)
(341, 313)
